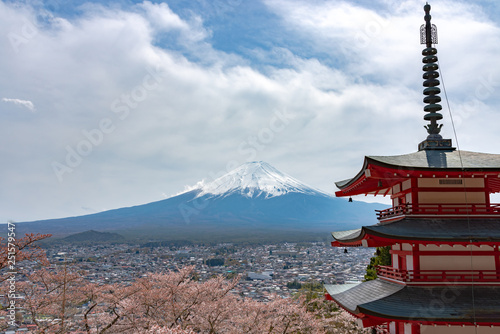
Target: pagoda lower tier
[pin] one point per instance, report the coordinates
(444, 276)
(443, 309)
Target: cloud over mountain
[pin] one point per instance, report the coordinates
(138, 100)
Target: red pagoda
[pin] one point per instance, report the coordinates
(442, 230)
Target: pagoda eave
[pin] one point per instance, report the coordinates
(379, 301)
(379, 174)
(460, 231)
(370, 320)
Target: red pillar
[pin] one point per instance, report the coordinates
(416, 259)
(496, 254)
(414, 191)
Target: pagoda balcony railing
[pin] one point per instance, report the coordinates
(464, 276)
(439, 209)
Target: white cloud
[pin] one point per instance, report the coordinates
(380, 46)
(25, 103)
(150, 117)
(160, 15)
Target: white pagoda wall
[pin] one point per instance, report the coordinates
(452, 262)
(455, 248)
(458, 330)
(457, 263)
(435, 183)
(454, 197)
(451, 197)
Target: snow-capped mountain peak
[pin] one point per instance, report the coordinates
(254, 179)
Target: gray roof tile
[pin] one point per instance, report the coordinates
(442, 159)
(445, 303)
(364, 293)
(477, 229)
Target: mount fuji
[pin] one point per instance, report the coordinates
(251, 200)
(255, 179)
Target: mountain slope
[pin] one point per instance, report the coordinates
(252, 198)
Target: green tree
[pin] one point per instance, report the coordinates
(294, 284)
(382, 258)
(214, 262)
(231, 275)
(311, 290)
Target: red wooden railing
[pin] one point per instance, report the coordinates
(465, 276)
(390, 272)
(439, 209)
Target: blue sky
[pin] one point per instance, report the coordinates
(118, 103)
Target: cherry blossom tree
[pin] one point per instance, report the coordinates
(50, 302)
(62, 301)
(13, 251)
(164, 330)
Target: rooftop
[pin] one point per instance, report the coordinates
(441, 159)
(386, 300)
(425, 230)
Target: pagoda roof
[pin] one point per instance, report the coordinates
(382, 299)
(452, 230)
(438, 159)
(379, 173)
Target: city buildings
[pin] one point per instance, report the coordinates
(123, 263)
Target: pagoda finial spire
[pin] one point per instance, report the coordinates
(429, 30)
(428, 36)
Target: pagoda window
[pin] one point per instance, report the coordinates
(401, 193)
(395, 256)
(408, 198)
(406, 247)
(396, 199)
(406, 260)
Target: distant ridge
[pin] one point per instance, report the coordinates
(94, 236)
(255, 200)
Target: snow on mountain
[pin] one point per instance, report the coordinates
(253, 200)
(255, 179)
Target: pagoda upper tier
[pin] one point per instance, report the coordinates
(381, 175)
